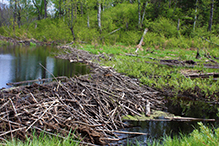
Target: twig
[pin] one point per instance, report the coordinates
(41, 115)
(11, 131)
(14, 109)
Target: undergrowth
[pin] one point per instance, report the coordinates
(145, 66)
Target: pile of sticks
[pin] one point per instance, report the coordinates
(91, 105)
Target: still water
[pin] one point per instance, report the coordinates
(158, 129)
(22, 63)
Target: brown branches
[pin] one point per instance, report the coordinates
(91, 105)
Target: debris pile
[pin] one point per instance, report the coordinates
(91, 105)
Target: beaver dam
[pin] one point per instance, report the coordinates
(92, 105)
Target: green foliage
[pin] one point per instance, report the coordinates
(164, 27)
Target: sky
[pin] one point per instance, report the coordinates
(4, 1)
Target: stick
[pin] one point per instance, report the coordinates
(33, 97)
(14, 110)
(12, 131)
(41, 116)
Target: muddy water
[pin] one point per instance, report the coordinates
(22, 63)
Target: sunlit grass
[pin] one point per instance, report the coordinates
(156, 75)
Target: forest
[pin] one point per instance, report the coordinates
(170, 23)
(146, 57)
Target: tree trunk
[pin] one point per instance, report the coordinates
(60, 9)
(139, 14)
(19, 16)
(15, 13)
(178, 24)
(169, 3)
(143, 15)
(88, 21)
(99, 16)
(45, 8)
(211, 15)
(73, 34)
(82, 9)
(175, 7)
(195, 15)
(38, 10)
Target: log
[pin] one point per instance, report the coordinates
(202, 75)
(189, 119)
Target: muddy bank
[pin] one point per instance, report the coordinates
(93, 105)
(18, 41)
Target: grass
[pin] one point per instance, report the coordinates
(199, 137)
(161, 76)
(44, 140)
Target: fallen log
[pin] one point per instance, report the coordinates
(202, 75)
(188, 119)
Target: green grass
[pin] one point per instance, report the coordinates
(44, 140)
(157, 75)
(199, 137)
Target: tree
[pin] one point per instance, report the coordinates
(195, 15)
(99, 15)
(211, 15)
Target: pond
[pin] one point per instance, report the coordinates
(23, 63)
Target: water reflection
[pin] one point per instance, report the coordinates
(20, 64)
(158, 129)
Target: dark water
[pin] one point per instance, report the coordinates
(22, 63)
(158, 129)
